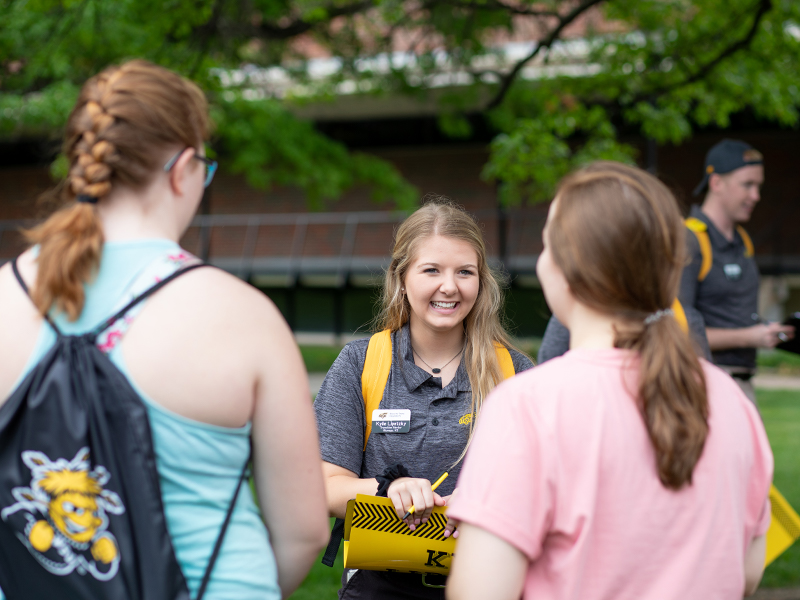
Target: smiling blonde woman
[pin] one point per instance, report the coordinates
(440, 310)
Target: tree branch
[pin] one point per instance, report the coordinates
(491, 5)
(763, 8)
(205, 34)
(563, 21)
(298, 26)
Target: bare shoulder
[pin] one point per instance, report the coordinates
(224, 331)
(217, 292)
(19, 322)
(214, 301)
(12, 296)
(26, 263)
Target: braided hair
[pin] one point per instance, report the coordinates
(125, 121)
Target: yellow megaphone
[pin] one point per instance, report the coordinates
(375, 539)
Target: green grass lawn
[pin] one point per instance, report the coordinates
(319, 359)
(322, 582)
(781, 412)
(778, 361)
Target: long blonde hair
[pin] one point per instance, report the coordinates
(482, 326)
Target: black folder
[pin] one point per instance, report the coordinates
(792, 345)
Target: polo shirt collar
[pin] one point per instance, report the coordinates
(717, 239)
(415, 376)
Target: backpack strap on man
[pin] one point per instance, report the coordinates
(700, 231)
(680, 315)
(377, 365)
(749, 250)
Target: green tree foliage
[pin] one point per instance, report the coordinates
(662, 67)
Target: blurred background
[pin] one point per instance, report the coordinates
(335, 118)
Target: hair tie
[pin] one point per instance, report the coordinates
(83, 198)
(657, 316)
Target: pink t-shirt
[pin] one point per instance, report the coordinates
(561, 468)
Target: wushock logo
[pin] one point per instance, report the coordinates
(64, 515)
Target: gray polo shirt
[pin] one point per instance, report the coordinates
(438, 431)
(728, 296)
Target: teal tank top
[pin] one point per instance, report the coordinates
(199, 464)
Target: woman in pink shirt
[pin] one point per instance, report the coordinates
(627, 468)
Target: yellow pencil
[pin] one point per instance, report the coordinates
(433, 489)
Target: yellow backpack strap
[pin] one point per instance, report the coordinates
(680, 315)
(504, 359)
(748, 243)
(375, 375)
(700, 231)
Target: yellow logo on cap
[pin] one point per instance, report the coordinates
(710, 169)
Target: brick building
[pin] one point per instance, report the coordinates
(321, 268)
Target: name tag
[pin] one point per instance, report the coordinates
(732, 271)
(391, 421)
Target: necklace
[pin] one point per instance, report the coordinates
(434, 370)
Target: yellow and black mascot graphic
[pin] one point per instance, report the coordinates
(65, 513)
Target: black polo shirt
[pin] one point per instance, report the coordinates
(439, 429)
(728, 296)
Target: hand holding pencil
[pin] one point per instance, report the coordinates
(436, 484)
(415, 498)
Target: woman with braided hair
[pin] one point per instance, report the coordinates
(211, 357)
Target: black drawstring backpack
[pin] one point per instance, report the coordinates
(81, 515)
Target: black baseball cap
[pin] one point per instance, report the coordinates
(727, 156)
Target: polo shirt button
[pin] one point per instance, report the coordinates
(435, 421)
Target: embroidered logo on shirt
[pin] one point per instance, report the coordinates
(65, 511)
(466, 419)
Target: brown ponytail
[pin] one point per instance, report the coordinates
(618, 236)
(125, 121)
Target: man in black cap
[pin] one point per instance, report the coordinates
(721, 282)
